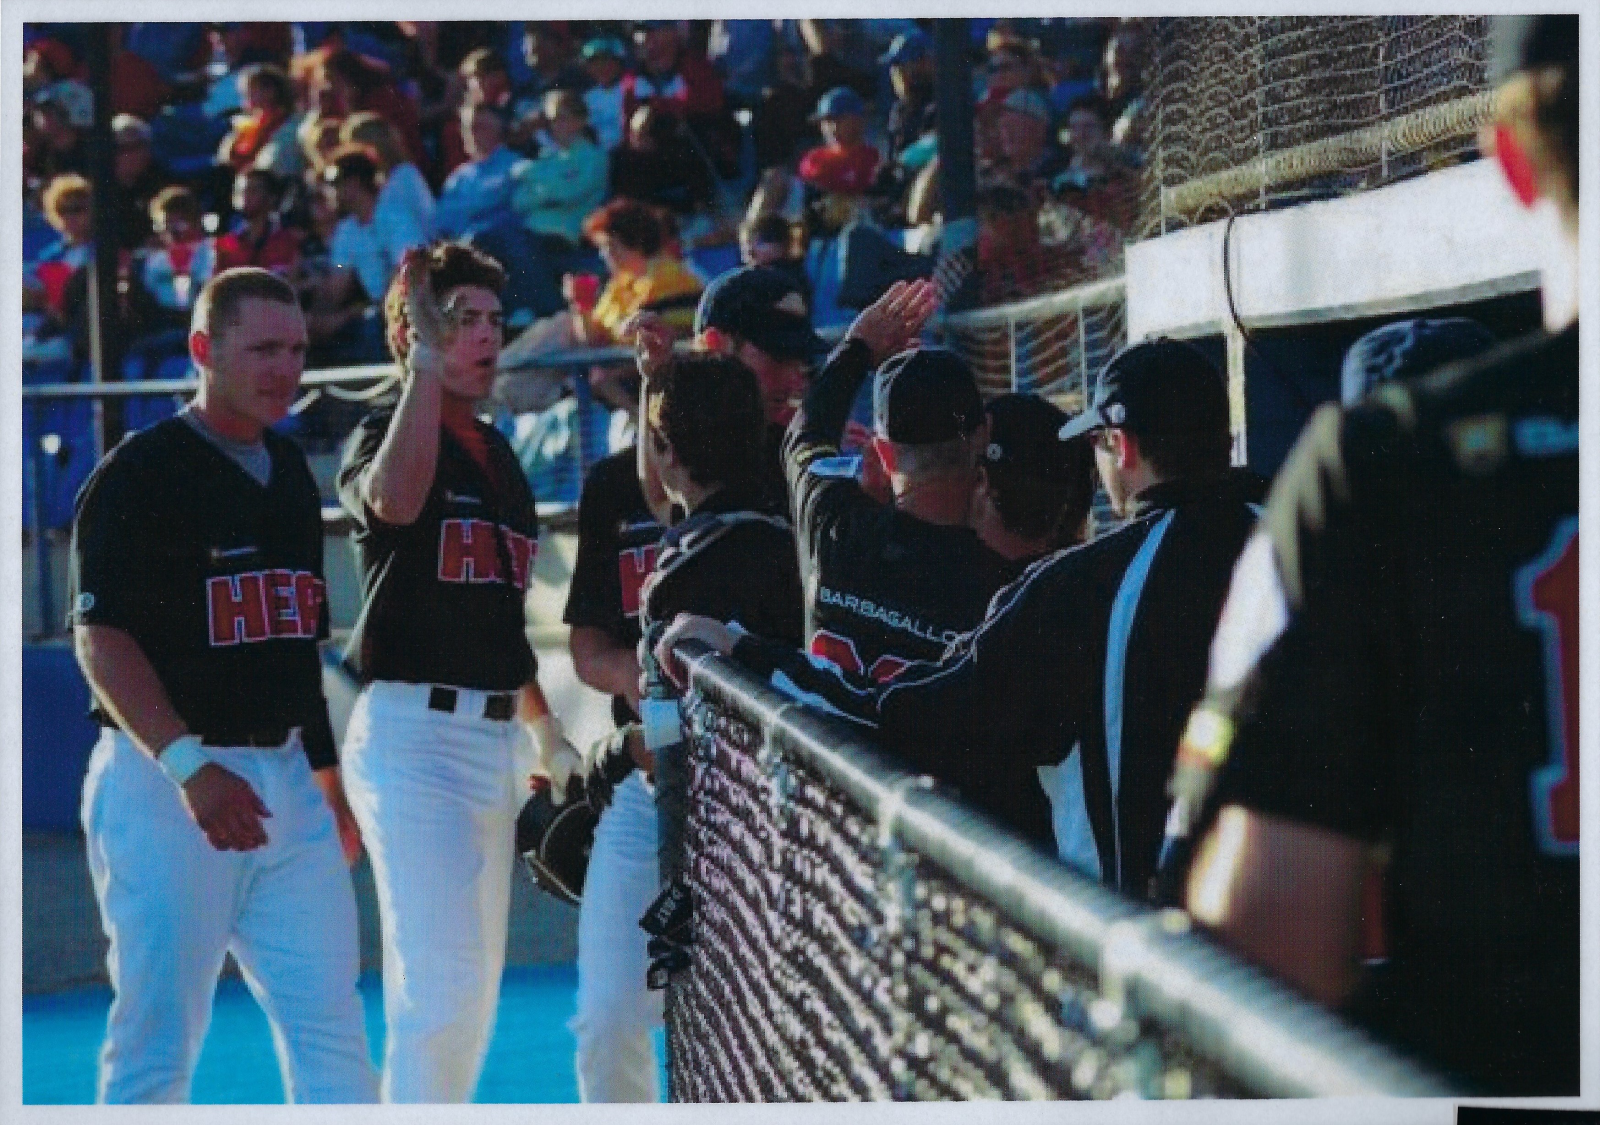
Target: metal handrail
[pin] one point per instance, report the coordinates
(1254, 1028)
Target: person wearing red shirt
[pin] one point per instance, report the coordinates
(260, 240)
(846, 163)
(670, 77)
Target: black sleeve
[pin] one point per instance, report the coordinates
(594, 597)
(816, 501)
(359, 450)
(111, 547)
(316, 734)
(1311, 739)
(1013, 685)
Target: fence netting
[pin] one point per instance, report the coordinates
(1247, 113)
(858, 935)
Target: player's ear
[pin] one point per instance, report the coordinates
(200, 348)
(714, 340)
(1125, 452)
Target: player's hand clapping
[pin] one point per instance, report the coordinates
(432, 327)
(894, 320)
(652, 343)
(226, 808)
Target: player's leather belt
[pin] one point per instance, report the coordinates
(499, 706)
(261, 737)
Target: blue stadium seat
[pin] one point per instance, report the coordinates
(71, 423)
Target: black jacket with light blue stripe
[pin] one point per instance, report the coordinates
(1101, 648)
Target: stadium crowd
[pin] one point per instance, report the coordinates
(322, 151)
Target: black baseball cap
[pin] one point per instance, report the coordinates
(1520, 43)
(761, 305)
(1159, 386)
(925, 396)
(1023, 431)
(1406, 348)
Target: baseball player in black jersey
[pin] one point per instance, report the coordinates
(197, 603)
(436, 755)
(890, 584)
(1096, 655)
(618, 538)
(1394, 681)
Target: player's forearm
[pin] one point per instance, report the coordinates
(1284, 895)
(401, 474)
(531, 703)
(126, 685)
(602, 663)
(822, 415)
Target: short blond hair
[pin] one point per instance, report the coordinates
(62, 189)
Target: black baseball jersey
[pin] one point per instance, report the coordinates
(617, 543)
(1099, 649)
(217, 578)
(442, 598)
(730, 561)
(883, 588)
(1424, 695)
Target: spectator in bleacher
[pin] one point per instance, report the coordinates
(1095, 179)
(477, 195)
(554, 192)
(911, 117)
(673, 79)
(404, 188)
(1014, 64)
(1021, 144)
(838, 54)
(364, 253)
(658, 165)
(357, 84)
(547, 47)
(644, 277)
(319, 137)
(68, 203)
(60, 120)
(774, 241)
(605, 63)
(1126, 56)
(138, 177)
(1013, 264)
(780, 128)
(1035, 492)
(266, 127)
(259, 237)
(844, 165)
(175, 271)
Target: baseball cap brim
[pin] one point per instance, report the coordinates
(787, 341)
(1081, 424)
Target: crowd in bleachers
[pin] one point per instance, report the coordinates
(324, 150)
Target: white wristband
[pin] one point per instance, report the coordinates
(182, 758)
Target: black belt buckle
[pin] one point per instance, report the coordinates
(500, 707)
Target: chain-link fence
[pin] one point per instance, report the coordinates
(1246, 113)
(860, 935)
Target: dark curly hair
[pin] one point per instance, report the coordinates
(708, 409)
(636, 225)
(449, 264)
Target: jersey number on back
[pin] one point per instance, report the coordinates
(1546, 590)
(842, 652)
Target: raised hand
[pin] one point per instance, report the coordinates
(890, 323)
(432, 327)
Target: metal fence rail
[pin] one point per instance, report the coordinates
(861, 934)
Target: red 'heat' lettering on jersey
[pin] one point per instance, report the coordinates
(262, 604)
(841, 651)
(1546, 592)
(469, 552)
(634, 565)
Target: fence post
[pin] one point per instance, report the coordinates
(41, 547)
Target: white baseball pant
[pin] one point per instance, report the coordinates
(172, 906)
(616, 1013)
(437, 796)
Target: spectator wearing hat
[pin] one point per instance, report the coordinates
(911, 117)
(1021, 149)
(605, 61)
(477, 195)
(259, 238)
(1089, 663)
(60, 119)
(555, 191)
(1035, 492)
(405, 191)
(139, 179)
(843, 167)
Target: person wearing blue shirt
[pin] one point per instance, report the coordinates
(477, 195)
